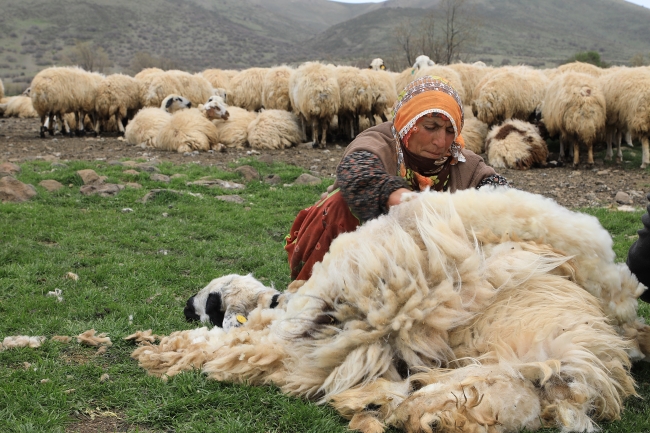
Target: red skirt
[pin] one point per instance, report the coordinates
(313, 231)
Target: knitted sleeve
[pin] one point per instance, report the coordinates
(365, 184)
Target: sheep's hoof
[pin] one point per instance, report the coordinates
(315, 145)
(95, 134)
(43, 131)
(51, 132)
(71, 134)
(80, 133)
(644, 165)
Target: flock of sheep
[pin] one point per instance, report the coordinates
(273, 108)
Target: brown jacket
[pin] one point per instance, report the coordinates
(379, 140)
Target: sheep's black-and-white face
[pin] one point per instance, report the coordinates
(227, 301)
(216, 108)
(173, 103)
(377, 65)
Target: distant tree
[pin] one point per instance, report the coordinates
(443, 34)
(143, 59)
(88, 56)
(592, 57)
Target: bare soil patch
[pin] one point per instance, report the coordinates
(582, 187)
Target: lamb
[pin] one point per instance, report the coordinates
(245, 90)
(234, 131)
(60, 90)
(315, 97)
(515, 144)
(118, 97)
(431, 315)
(377, 65)
(509, 93)
(384, 94)
(474, 133)
(275, 89)
(275, 129)
(188, 130)
(18, 106)
(627, 93)
(146, 124)
(355, 98)
(574, 107)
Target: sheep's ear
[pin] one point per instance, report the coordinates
(370, 67)
(382, 67)
(275, 300)
(190, 311)
(170, 101)
(213, 309)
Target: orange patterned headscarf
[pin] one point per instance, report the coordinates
(427, 96)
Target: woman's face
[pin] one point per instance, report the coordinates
(433, 138)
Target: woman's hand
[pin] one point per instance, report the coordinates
(395, 197)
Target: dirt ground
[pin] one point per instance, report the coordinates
(582, 187)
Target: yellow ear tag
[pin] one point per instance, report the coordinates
(241, 319)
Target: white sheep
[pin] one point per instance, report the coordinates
(627, 94)
(574, 107)
(423, 61)
(245, 89)
(219, 78)
(356, 98)
(509, 93)
(384, 95)
(470, 75)
(585, 68)
(377, 65)
(2, 90)
(447, 73)
(515, 144)
(17, 106)
(147, 72)
(193, 87)
(144, 127)
(234, 131)
(60, 90)
(402, 79)
(188, 130)
(474, 133)
(496, 310)
(275, 129)
(118, 97)
(275, 89)
(315, 96)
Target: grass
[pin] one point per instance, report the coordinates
(145, 264)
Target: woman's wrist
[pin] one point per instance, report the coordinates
(395, 197)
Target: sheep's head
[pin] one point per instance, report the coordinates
(28, 91)
(377, 65)
(173, 103)
(422, 62)
(227, 301)
(216, 108)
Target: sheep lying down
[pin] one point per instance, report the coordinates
(480, 311)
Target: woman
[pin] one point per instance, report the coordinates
(421, 148)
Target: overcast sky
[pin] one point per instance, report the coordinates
(645, 3)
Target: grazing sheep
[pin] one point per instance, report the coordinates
(146, 124)
(193, 87)
(627, 94)
(234, 131)
(574, 107)
(474, 133)
(377, 65)
(515, 144)
(245, 90)
(275, 129)
(188, 130)
(448, 74)
(18, 106)
(219, 78)
(470, 75)
(60, 90)
(585, 68)
(315, 96)
(402, 79)
(356, 98)
(509, 93)
(118, 97)
(470, 309)
(384, 95)
(275, 89)
(147, 72)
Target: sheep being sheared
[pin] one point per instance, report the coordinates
(515, 144)
(441, 298)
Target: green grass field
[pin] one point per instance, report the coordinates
(144, 264)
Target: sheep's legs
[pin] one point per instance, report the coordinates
(619, 153)
(352, 127)
(120, 126)
(609, 138)
(65, 127)
(628, 139)
(44, 124)
(323, 140)
(645, 145)
(50, 125)
(576, 153)
(314, 132)
(561, 156)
